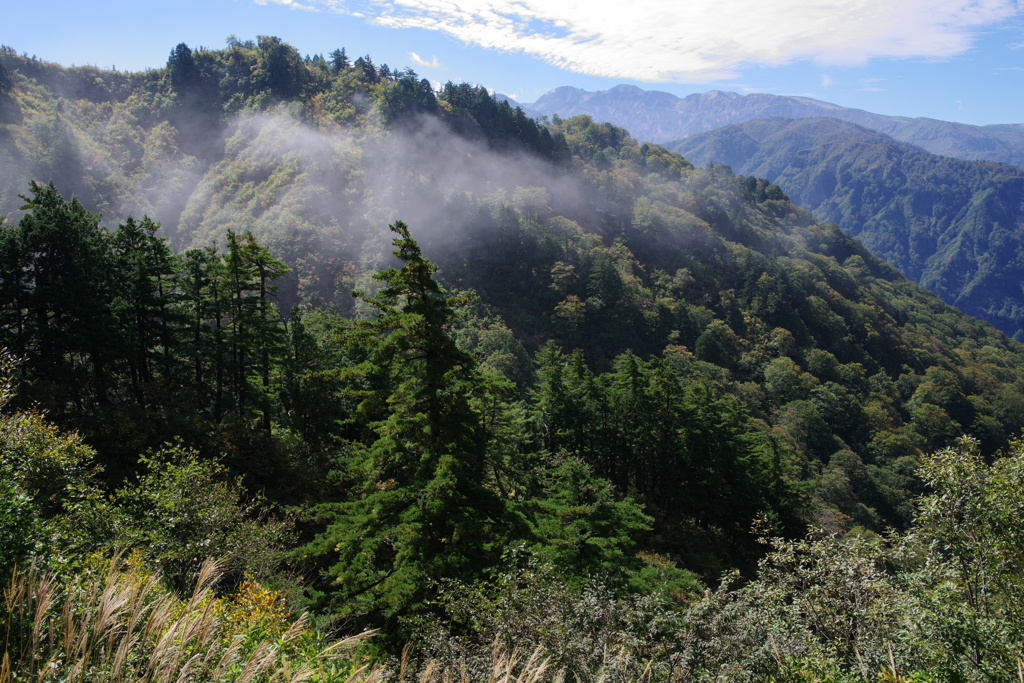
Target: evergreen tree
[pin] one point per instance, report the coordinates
(281, 69)
(63, 273)
(182, 69)
(145, 271)
(422, 509)
(265, 320)
(366, 70)
(6, 84)
(255, 330)
(339, 60)
(203, 304)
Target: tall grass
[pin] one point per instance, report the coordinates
(115, 622)
(119, 625)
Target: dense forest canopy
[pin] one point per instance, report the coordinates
(428, 360)
(952, 226)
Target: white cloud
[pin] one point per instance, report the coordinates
(825, 81)
(697, 40)
(422, 62)
(298, 5)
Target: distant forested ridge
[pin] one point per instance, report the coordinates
(664, 118)
(459, 351)
(143, 142)
(954, 227)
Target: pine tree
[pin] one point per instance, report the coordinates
(422, 509)
(256, 333)
(339, 60)
(204, 305)
(182, 69)
(144, 273)
(64, 271)
(6, 84)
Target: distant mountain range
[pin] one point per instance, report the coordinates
(954, 226)
(661, 117)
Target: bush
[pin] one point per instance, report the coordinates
(180, 512)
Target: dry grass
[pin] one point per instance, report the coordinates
(118, 624)
(502, 665)
(506, 667)
(121, 625)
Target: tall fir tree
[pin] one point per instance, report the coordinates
(421, 508)
(58, 258)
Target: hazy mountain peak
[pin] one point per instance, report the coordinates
(663, 117)
(717, 94)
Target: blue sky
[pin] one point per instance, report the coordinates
(957, 60)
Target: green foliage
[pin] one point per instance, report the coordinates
(946, 223)
(404, 98)
(937, 603)
(18, 527)
(701, 470)
(58, 275)
(730, 366)
(972, 521)
(115, 329)
(49, 466)
(525, 605)
(6, 85)
(179, 513)
(585, 530)
(46, 476)
(420, 507)
(140, 143)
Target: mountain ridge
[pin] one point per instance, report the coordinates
(661, 117)
(954, 226)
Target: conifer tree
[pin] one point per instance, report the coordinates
(422, 509)
(339, 60)
(6, 84)
(59, 258)
(255, 334)
(203, 302)
(145, 270)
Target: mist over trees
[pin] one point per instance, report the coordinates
(406, 359)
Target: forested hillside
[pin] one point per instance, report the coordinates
(952, 226)
(410, 361)
(664, 118)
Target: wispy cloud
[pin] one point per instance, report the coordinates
(298, 5)
(434, 64)
(825, 81)
(697, 40)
